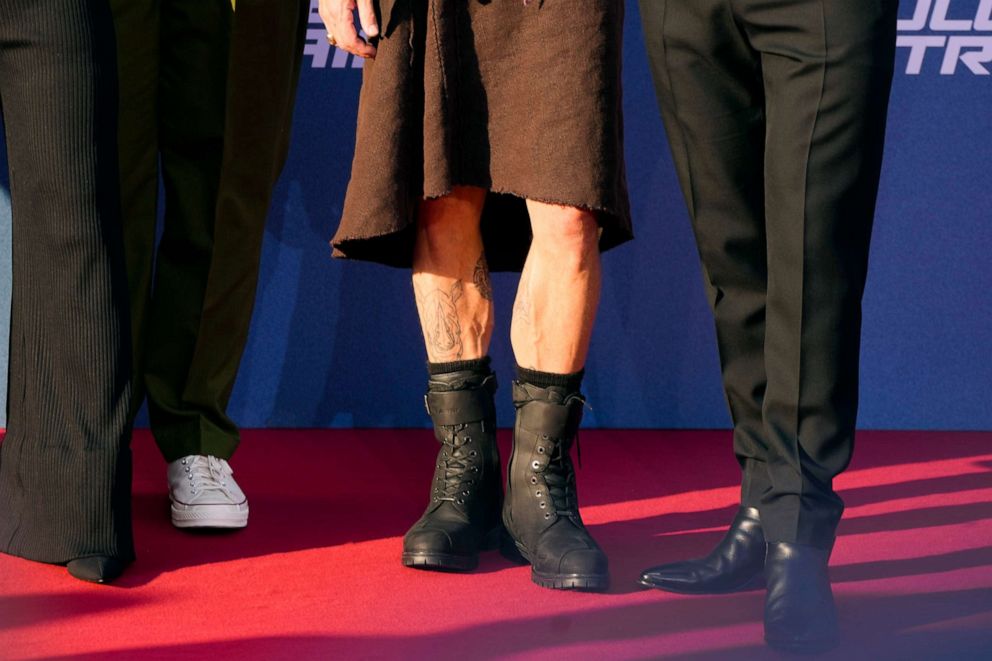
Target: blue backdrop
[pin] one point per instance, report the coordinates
(337, 344)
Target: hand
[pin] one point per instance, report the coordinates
(339, 19)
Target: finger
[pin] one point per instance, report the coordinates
(347, 37)
(366, 14)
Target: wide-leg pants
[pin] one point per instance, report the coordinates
(207, 97)
(65, 466)
(775, 111)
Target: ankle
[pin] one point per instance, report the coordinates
(570, 382)
(461, 375)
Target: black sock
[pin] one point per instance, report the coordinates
(478, 365)
(570, 382)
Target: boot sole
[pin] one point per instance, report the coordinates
(440, 561)
(796, 647)
(435, 561)
(576, 582)
(753, 583)
(514, 552)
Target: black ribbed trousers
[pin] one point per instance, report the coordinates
(65, 466)
(207, 99)
(775, 111)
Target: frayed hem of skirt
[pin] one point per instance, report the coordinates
(611, 235)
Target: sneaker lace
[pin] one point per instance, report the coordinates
(207, 473)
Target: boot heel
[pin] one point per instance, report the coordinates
(509, 549)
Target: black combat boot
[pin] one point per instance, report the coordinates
(463, 515)
(735, 564)
(541, 510)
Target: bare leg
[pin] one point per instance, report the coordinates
(451, 278)
(552, 325)
(559, 290)
(454, 300)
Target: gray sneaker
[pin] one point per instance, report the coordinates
(204, 494)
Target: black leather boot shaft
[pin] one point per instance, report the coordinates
(463, 515)
(735, 564)
(800, 614)
(541, 509)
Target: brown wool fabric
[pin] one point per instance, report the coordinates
(520, 99)
(65, 466)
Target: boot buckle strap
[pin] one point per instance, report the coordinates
(459, 407)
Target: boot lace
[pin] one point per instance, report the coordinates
(559, 475)
(456, 466)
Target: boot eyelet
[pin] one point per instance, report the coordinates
(472, 453)
(465, 493)
(536, 465)
(543, 505)
(547, 515)
(540, 449)
(460, 501)
(533, 480)
(538, 494)
(544, 436)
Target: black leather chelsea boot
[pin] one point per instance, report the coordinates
(735, 564)
(541, 510)
(800, 615)
(463, 515)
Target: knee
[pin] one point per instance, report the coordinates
(438, 229)
(571, 234)
(449, 221)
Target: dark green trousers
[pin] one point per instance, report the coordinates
(775, 111)
(207, 98)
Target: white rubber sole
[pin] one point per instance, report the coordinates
(210, 516)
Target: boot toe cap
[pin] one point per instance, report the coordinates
(428, 540)
(583, 562)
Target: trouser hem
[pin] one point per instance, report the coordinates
(195, 437)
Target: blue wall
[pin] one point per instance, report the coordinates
(336, 344)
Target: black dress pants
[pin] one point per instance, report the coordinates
(775, 111)
(65, 466)
(207, 97)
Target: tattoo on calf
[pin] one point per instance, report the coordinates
(480, 278)
(442, 329)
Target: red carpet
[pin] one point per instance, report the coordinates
(317, 575)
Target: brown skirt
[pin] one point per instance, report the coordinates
(521, 100)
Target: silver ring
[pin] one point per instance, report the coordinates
(331, 40)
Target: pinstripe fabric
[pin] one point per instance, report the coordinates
(65, 464)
